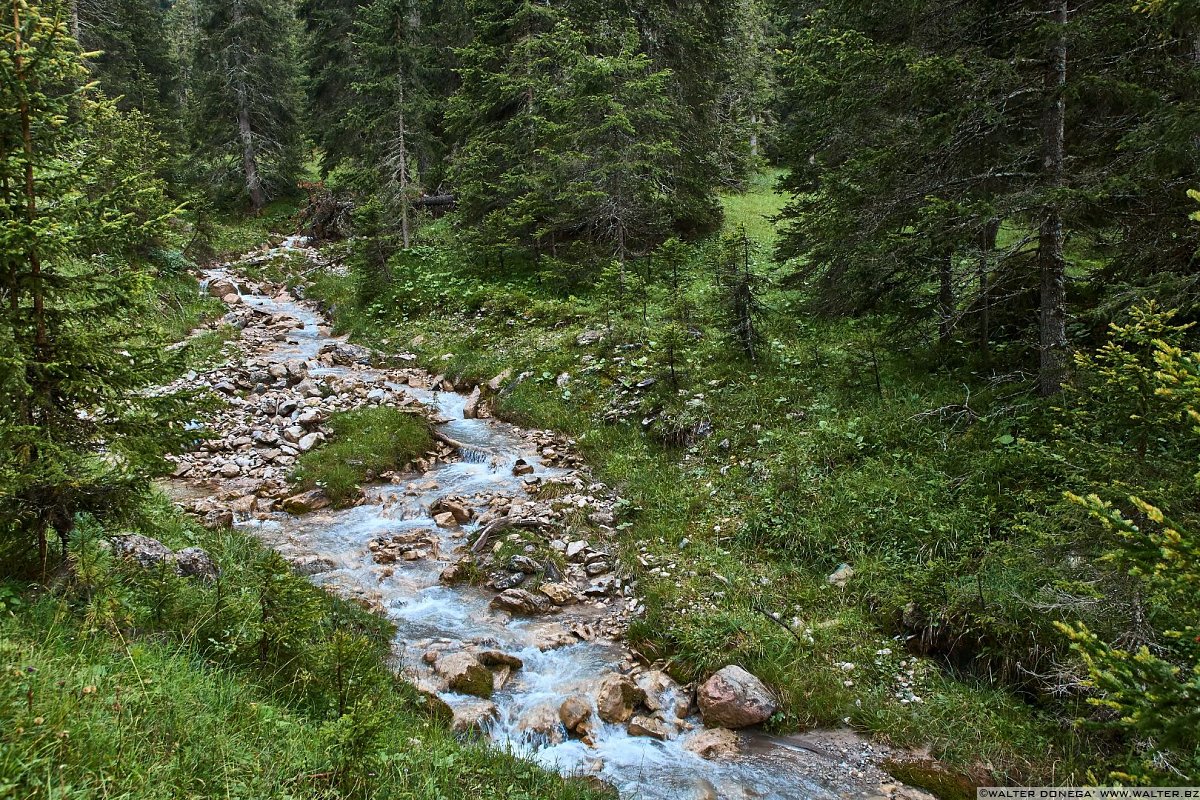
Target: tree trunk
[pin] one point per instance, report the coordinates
(945, 297)
(254, 185)
(987, 244)
(753, 134)
(1052, 371)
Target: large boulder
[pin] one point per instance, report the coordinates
(616, 698)
(465, 674)
(733, 698)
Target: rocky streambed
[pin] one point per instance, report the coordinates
(495, 556)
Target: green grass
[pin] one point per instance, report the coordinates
(126, 682)
(365, 443)
(942, 491)
(756, 207)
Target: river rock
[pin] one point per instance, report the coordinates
(575, 713)
(473, 717)
(498, 658)
(662, 693)
(195, 562)
(302, 503)
(465, 674)
(312, 565)
(542, 721)
(309, 441)
(520, 601)
(445, 520)
(733, 698)
(642, 725)
(471, 407)
(713, 743)
(457, 508)
(221, 288)
(617, 697)
(522, 467)
(559, 593)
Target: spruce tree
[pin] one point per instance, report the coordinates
(245, 98)
(79, 430)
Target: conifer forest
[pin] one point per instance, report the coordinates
(579, 399)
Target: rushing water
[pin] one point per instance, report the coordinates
(426, 613)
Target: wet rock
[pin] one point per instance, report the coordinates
(559, 593)
(194, 562)
(222, 288)
(471, 407)
(145, 551)
(445, 520)
(454, 574)
(662, 693)
(465, 674)
(462, 514)
(473, 717)
(522, 467)
(616, 698)
(642, 725)
(520, 601)
(312, 500)
(542, 722)
(733, 698)
(498, 658)
(713, 743)
(575, 714)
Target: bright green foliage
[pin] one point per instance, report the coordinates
(244, 99)
(1119, 389)
(366, 443)
(79, 209)
(1155, 694)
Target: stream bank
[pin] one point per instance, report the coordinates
(553, 636)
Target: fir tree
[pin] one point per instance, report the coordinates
(245, 97)
(79, 430)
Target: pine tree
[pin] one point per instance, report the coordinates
(245, 97)
(330, 56)
(134, 61)
(78, 202)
